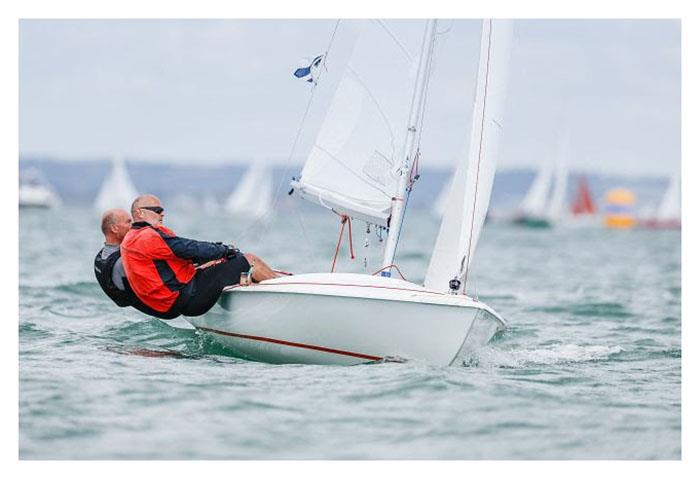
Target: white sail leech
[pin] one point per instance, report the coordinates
(352, 165)
(471, 189)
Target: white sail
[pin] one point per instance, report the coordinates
(253, 195)
(353, 164)
(471, 189)
(440, 204)
(535, 201)
(670, 208)
(117, 190)
(558, 200)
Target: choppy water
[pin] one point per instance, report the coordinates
(589, 367)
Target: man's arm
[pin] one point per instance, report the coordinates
(197, 251)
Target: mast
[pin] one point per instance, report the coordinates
(410, 146)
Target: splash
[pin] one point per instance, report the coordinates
(557, 354)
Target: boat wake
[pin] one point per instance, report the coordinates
(490, 356)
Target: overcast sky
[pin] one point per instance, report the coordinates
(217, 90)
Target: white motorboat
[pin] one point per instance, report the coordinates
(357, 169)
(35, 191)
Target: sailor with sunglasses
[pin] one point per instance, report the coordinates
(109, 268)
(162, 268)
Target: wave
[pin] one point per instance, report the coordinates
(555, 355)
(614, 310)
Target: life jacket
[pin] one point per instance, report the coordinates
(127, 297)
(157, 276)
(103, 273)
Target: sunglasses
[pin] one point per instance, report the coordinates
(156, 209)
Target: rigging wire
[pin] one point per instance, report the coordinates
(263, 220)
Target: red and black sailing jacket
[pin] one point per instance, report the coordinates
(160, 265)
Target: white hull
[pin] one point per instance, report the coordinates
(347, 319)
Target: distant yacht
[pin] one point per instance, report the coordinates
(440, 204)
(583, 203)
(668, 215)
(252, 197)
(117, 191)
(35, 191)
(542, 208)
(583, 210)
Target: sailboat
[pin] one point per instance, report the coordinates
(582, 210)
(117, 191)
(542, 208)
(360, 168)
(583, 203)
(668, 215)
(253, 196)
(440, 204)
(35, 191)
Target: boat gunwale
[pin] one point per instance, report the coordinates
(472, 303)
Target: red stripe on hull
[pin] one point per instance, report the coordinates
(295, 345)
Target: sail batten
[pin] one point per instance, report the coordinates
(471, 188)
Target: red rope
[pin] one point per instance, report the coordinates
(390, 266)
(343, 219)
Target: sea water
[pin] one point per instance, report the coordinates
(589, 366)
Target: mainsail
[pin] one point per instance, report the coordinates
(117, 190)
(471, 189)
(353, 163)
(253, 195)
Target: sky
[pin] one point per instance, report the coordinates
(219, 91)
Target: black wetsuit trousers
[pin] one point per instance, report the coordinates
(208, 283)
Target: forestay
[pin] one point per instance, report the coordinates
(471, 189)
(353, 163)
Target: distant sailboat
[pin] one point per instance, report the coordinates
(35, 191)
(117, 191)
(583, 204)
(539, 208)
(253, 194)
(668, 216)
(440, 204)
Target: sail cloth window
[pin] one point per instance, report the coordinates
(310, 72)
(352, 166)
